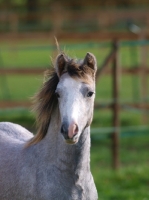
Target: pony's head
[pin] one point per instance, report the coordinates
(71, 87)
(75, 93)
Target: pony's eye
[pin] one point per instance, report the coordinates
(57, 95)
(89, 94)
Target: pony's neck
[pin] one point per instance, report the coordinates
(75, 158)
(67, 158)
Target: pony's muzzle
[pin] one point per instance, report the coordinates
(69, 131)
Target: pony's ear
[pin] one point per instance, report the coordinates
(60, 66)
(90, 61)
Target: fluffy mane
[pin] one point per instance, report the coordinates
(45, 101)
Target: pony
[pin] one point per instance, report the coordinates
(55, 163)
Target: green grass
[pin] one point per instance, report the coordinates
(131, 181)
(41, 57)
(38, 54)
(21, 59)
(20, 87)
(18, 115)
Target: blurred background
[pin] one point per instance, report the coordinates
(117, 32)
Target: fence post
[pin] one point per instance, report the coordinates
(115, 108)
(144, 77)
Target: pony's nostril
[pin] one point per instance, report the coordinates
(64, 131)
(76, 130)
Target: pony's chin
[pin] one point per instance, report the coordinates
(71, 141)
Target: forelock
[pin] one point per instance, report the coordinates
(76, 69)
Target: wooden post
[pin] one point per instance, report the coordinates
(144, 78)
(115, 108)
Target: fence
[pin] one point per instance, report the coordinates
(60, 18)
(115, 71)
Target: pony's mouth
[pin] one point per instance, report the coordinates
(71, 141)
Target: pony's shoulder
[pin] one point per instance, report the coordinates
(14, 131)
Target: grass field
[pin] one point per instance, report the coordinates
(131, 182)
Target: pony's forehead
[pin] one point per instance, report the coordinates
(66, 81)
